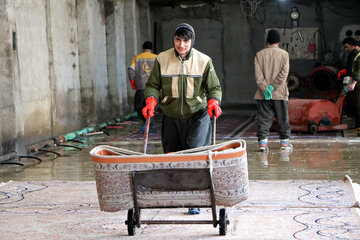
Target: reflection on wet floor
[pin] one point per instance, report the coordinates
(311, 159)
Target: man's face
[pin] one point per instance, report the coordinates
(182, 46)
(348, 47)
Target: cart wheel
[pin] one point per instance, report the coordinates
(130, 222)
(222, 222)
(313, 128)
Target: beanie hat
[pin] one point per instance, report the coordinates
(147, 45)
(186, 26)
(189, 28)
(273, 36)
(347, 40)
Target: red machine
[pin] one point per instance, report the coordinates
(320, 114)
(321, 83)
(316, 111)
(313, 115)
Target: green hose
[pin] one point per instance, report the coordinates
(72, 135)
(131, 116)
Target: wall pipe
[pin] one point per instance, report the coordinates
(85, 131)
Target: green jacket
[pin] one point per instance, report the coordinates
(183, 87)
(356, 68)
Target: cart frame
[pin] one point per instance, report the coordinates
(167, 180)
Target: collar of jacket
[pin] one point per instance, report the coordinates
(272, 46)
(187, 57)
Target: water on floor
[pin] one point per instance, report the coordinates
(306, 204)
(311, 159)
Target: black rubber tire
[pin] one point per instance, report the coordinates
(130, 222)
(222, 222)
(313, 128)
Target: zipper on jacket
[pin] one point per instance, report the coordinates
(182, 87)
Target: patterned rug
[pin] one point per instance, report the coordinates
(274, 210)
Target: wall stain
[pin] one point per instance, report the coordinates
(8, 146)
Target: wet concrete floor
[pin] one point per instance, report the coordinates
(312, 158)
(56, 198)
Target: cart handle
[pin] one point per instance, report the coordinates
(214, 131)
(146, 133)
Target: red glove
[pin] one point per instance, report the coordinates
(132, 82)
(150, 107)
(341, 72)
(213, 107)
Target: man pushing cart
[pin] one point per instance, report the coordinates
(191, 93)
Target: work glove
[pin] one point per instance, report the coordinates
(150, 107)
(132, 82)
(214, 108)
(347, 80)
(341, 73)
(268, 91)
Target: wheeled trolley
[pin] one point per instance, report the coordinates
(195, 177)
(168, 180)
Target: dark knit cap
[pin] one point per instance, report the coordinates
(189, 28)
(273, 36)
(184, 28)
(347, 40)
(147, 45)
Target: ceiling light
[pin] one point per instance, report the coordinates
(294, 15)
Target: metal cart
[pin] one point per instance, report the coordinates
(167, 180)
(174, 180)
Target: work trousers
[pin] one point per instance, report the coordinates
(351, 100)
(139, 103)
(267, 110)
(185, 133)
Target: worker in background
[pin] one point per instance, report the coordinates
(351, 53)
(356, 45)
(357, 35)
(271, 71)
(348, 46)
(355, 78)
(184, 83)
(139, 72)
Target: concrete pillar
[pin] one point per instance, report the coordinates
(92, 61)
(131, 29)
(137, 30)
(20, 144)
(122, 62)
(117, 66)
(144, 22)
(32, 69)
(63, 66)
(8, 85)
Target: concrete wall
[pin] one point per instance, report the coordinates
(93, 62)
(62, 40)
(32, 56)
(8, 100)
(117, 64)
(223, 27)
(69, 67)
